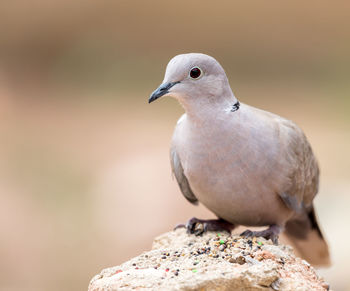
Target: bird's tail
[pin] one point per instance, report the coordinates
(306, 237)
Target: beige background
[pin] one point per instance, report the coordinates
(85, 178)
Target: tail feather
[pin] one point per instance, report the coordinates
(307, 239)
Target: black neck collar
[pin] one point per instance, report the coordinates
(235, 106)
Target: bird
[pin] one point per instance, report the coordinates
(248, 166)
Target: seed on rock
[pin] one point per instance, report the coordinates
(222, 247)
(240, 260)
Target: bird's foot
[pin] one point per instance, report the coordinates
(271, 233)
(199, 226)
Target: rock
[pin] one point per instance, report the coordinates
(179, 261)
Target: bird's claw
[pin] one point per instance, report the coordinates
(271, 233)
(180, 225)
(199, 226)
(196, 226)
(193, 226)
(247, 233)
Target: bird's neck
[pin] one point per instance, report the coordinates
(206, 110)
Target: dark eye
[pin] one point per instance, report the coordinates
(195, 73)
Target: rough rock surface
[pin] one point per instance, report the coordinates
(179, 261)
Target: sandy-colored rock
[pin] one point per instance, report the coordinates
(179, 261)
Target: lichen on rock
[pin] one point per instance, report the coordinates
(213, 261)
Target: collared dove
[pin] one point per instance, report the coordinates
(248, 166)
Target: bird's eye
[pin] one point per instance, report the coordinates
(195, 73)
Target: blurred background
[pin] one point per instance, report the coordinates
(85, 179)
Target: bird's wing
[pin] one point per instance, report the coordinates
(304, 171)
(180, 177)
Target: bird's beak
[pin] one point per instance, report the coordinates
(161, 90)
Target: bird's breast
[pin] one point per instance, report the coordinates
(232, 174)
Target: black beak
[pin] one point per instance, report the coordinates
(161, 90)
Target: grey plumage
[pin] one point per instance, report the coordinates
(248, 166)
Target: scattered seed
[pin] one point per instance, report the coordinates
(222, 247)
(240, 260)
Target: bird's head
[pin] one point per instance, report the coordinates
(193, 78)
